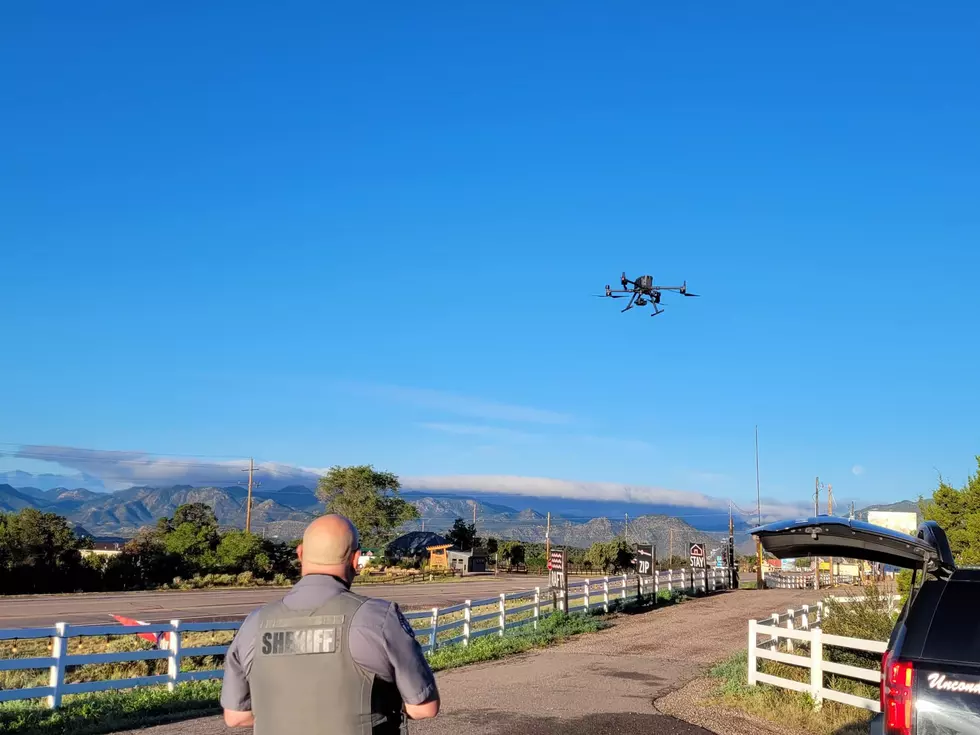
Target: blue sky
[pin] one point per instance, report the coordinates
(323, 234)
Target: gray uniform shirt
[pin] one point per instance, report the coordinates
(381, 642)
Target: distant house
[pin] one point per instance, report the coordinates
(413, 545)
(368, 556)
(445, 556)
(474, 560)
(105, 548)
(771, 565)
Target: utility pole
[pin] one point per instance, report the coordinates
(670, 559)
(474, 514)
(731, 546)
(830, 512)
(758, 499)
(547, 541)
(248, 499)
(816, 512)
(626, 531)
(852, 511)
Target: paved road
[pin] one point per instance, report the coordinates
(601, 684)
(43, 610)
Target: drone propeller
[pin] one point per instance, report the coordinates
(683, 290)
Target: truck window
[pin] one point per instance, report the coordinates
(955, 631)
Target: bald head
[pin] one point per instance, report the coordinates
(330, 541)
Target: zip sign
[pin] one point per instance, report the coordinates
(697, 556)
(643, 560)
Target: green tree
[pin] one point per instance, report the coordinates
(610, 556)
(243, 552)
(369, 499)
(958, 512)
(462, 535)
(193, 535)
(512, 552)
(39, 552)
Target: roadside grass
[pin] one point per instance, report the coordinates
(785, 707)
(553, 629)
(103, 712)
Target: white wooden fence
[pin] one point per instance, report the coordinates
(525, 608)
(511, 610)
(802, 625)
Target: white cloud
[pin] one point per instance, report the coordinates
(462, 405)
(118, 470)
(545, 487)
(857, 469)
(124, 469)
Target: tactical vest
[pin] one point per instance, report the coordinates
(303, 680)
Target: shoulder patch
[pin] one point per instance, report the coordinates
(406, 626)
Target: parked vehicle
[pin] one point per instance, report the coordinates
(930, 683)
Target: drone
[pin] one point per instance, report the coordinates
(642, 291)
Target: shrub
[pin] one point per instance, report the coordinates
(870, 618)
(245, 579)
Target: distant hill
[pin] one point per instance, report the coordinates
(902, 506)
(12, 500)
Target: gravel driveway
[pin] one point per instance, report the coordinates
(600, 683)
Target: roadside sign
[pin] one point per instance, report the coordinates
(558, 578)
(643, 560)
(697, 556)
(556, 567)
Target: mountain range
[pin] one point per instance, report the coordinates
(285, 513)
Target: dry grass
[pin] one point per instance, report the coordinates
(793, 710)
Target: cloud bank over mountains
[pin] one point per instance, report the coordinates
(112, 470)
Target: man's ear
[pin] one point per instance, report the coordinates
(299, 552)
(355, 560)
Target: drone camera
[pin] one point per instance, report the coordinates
(645, 282)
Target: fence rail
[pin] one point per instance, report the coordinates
(435, 628)
(802, 626)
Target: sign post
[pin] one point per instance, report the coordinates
(644, 566)
(559, 579)
(698, 562)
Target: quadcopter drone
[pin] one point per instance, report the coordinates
(643, 292)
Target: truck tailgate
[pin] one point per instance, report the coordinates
(947, 700)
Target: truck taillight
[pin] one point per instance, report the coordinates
(897, 679)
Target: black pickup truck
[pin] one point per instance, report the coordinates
(930, 683)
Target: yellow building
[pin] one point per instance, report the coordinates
(438, 556)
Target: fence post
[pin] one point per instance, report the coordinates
(670, 580)
(59, 649)
(752, 644)
(435, 626)
(623, 595)
(587, 598)
(789, 626)
(656, 586)
(467, 615)
(503, 612)
(806, 617)
(537, 606)
(605, 594)
(816, 668)
(173, 661)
